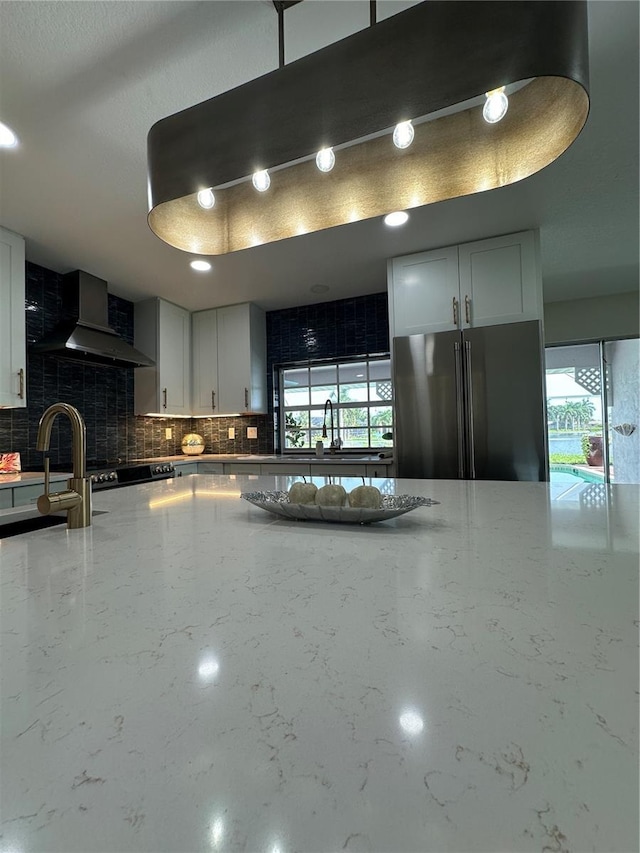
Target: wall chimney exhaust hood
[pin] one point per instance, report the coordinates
(85, 335)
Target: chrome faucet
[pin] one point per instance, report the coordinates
(335, 442)
(76, 499)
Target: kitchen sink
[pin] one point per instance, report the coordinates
(27, 520)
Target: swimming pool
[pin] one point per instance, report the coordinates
(571, 474)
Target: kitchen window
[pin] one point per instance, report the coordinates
(361, 396)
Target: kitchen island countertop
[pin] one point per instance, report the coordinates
(192, 673)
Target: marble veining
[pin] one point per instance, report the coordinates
(191, 673)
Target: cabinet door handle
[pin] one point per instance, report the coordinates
(246, 398)
(213, 401)
(455, 311)
(467, 309)
(21, 383)
(164, 398)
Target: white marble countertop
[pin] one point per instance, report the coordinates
(29, 478)
(263, 457)
(194, 674)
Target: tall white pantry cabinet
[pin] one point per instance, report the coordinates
(497, 280)
(13, 352)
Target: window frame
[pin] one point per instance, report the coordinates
(337, 363)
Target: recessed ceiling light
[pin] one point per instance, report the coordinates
(319, 288)
(398, 217)
(200, 266)
(8, 139)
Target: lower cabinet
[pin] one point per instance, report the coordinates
(6, 498)
(241, 468)
(211, 468)
(300, 470)
(28, 495)
(183, 470)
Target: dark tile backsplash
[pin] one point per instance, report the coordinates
(104, 395)
(345, 328)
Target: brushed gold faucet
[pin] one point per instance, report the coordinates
(76, 499)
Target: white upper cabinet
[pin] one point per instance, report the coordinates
(229, 361)
(424, 292)
(204, 363)
(13, 361)
(242, 359)
(500, 280)
(163, 332)
(484, 283)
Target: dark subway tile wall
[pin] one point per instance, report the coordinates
(104, 395)
(342, 329)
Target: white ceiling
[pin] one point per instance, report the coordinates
(82, 82)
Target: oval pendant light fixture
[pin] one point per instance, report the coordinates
(419, 78)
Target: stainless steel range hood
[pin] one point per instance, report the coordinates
(86, 335)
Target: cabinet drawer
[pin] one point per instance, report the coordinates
(185, 470)
(338, 470)
(26, 495)
(241, 468)
(299, 469)
(210, 468)
(6, 498)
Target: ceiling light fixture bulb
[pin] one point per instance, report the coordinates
(8, 139)
(206, 198)
(325, 159)
(403, 134)
(261, 180)
(398, 217)
(496, 105)
(200, 266)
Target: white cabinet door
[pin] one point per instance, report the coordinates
(163, 332)
(500, 280)
(175, 357)
(424, 293)
(241, 359)
(12, 321)
(204, 347)
(487, 282)
(234, 359)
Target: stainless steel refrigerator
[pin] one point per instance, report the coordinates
(470, 404)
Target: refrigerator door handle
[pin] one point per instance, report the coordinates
(469, 390)
(459, 409)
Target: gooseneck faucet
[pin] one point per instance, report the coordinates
(335, 442)
(76, 499)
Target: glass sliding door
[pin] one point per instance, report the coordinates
(622, 364)
(575, 407)
(593, 412)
